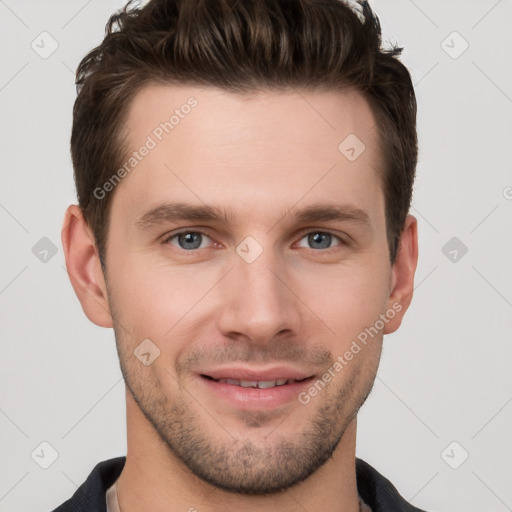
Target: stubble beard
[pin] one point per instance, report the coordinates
(241, 465)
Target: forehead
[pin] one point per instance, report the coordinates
(252, 150)
(217, 115)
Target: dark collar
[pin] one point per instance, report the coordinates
(376, 490)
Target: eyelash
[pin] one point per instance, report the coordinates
(302, 234)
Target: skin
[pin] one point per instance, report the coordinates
(257, 156)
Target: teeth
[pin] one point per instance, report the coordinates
(262, 384)
(266, 384)
(249, 383)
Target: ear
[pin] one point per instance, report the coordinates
(402, 277)
(84, 268)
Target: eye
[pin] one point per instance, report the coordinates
(320, 240)
(189, 240)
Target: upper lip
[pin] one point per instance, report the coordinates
(253, 374)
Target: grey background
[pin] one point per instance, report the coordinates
(445, 375)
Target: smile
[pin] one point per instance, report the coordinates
(262, 384)
(254, 390)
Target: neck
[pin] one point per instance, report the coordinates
(153, 479)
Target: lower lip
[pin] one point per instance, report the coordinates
(256, 398)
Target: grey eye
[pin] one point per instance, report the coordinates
(189, 240)
(319, 240)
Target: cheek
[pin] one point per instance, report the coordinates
(351, 299)
(147, 301)
(158, 301)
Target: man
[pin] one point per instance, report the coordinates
(244, 172)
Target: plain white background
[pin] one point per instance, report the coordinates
(445, 377)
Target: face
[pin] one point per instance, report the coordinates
(250, 253)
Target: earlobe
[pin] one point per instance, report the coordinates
(84, 268)
(402, 279)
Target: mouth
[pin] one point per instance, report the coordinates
(260, 384)
(249, 389)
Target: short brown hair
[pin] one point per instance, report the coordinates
(240, 46)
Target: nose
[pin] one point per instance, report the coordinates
(258, 304)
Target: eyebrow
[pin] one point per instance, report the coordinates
(179, 211)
